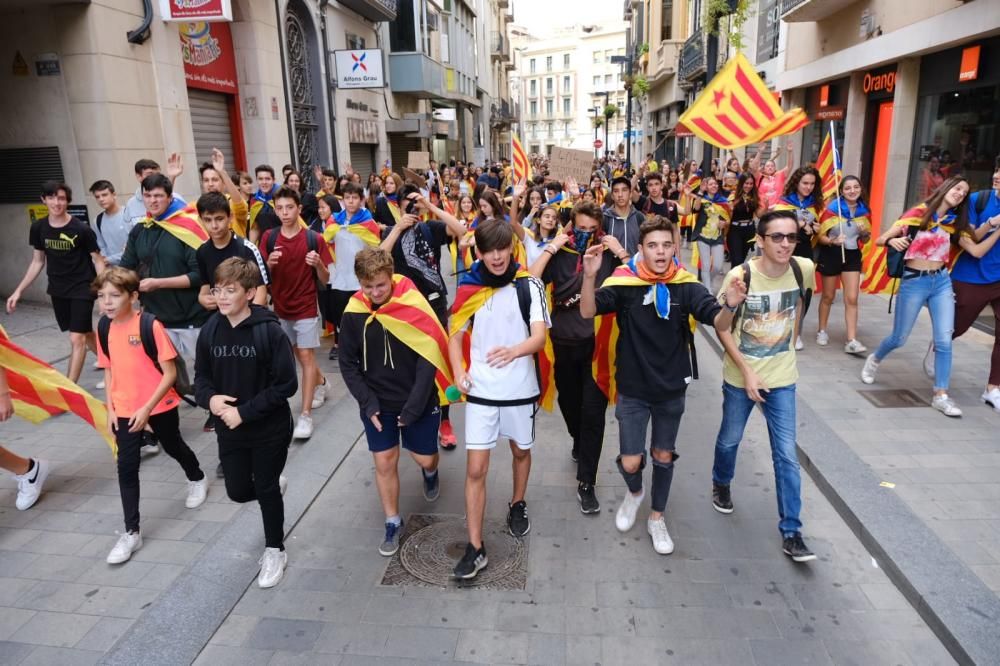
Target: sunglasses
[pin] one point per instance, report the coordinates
(791, 238)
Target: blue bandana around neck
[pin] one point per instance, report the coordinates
(265, 197)
(659, 290)
(794, 199)
(840, 208)
(581, 239)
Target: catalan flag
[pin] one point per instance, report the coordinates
(828, 165)
(519, 160)
(39, 391)
(361, 225)
(182, 222)
(874, 259)
(736, 109)
(409, 318)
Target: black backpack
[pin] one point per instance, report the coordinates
(182, 384)
(799, 280)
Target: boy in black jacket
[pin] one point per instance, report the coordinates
(245, 374)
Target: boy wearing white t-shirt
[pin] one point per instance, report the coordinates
(508, 309)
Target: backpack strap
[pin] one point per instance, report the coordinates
(103, 330)
(270, 240)
(148, 339)
(522, 287)
(799, 280)
(745, 268)
(982, 199)
(312, 241)
(261, 345)
(100, 220)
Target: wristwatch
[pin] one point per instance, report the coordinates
(731, 308)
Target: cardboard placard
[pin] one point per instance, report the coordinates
(414, 177)
(566, 163)
(418, 160)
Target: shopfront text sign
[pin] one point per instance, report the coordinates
(969, 68)
(359, 68)
(207, 52)
(196, 10)
(879, 82)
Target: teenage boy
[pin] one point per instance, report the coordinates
(215, 178)
(759, 369)
(327, 179)
(392, 376)
(112, 228)
(416, 252)
(295, 258)
(140, 393)
(30, 473)
(654, 203)
(245, 374)
(652, 299)
(500, 382)
(135, 207)
(67, 249)
(262, 213)
(621, 219)
(580, 400)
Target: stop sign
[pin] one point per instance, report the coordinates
(598, 143)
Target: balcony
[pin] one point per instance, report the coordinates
(663, 63)
(692, 62)
(503, 4)
(416, 74)
(373, 10)
(807, 11)
(498, 46)
(501, 115)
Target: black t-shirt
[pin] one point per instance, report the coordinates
(209, 258)
(566, 280)
(67, 256)
(652, 356)
(667, 209)
(435, 234)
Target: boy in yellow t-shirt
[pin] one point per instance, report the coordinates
(759, 369)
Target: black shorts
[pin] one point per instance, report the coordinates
(75, 315)
(336, 301)
(831, 263)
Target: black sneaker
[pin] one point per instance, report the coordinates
(150, 444)
(209, 423)
(472, 562)
(721, 499)
(334, 354)
(588, 499)
(219, 473)
(432, 487)
(796, 549)
(517, 519)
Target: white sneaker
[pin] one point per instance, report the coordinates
(854, 347)
(282, 484)
(625, 516)
(96, 365)
(992, 398)
(929, 361)
(99, 385)
(945, 405)
(662, 543)
(29, 484)
(799, 345)
(319, 394)
(197, 492)
(822, 338)
(127, 544)
(272, 567)
(870, 370)
(303, 427)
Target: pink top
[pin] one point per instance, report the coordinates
(770, 188)
(930, 245)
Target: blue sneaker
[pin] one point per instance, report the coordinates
(391, 543)
(432, 486)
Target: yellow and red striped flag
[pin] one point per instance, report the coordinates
(736, 109)
(519, 160)
(828, 165)
(39, 391)
(181, 222)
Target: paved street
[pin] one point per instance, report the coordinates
(726, 595)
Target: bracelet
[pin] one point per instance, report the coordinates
(731, 308)
(549, 247)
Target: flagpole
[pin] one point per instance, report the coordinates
(836, 180)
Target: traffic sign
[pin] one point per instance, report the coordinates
(598, 143)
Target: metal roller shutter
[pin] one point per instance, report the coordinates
(400, 146)
(210, 122)
(363, 159)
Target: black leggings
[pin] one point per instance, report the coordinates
(582, 404)
(166, 426)
(252, 474)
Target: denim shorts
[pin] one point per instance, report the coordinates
(420, 437)
(633, 416)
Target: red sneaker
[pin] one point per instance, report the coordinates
(446, 436)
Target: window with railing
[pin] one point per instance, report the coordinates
(566, 84)
(548, 63)
(549, 128)
(531, 65)
(566, 105)
(667, 20)
(548, 107)
(533, 87)
(548, 86)
(597, 57)
(597, 81)
(566, 129)
(534, 108)
(565, 61)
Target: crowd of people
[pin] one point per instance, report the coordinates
(565, 291)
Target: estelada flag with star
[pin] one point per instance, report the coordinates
(39, 391)
(736, 109)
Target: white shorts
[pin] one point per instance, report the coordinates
(303, 333)
(485, 424)
(186, 343)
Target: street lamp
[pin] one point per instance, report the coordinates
(595, 110)
(627, 60)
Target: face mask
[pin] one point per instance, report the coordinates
(581, 238)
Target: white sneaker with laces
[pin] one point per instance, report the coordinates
(197, 492)
(822, 338)
(303, 427)
(657, 529)
(127, 544)
(99, 385)
(929, 361)
(282, 484)
(870, 370)
(854, 347)
(29, 484)
(272, 567)
(945, 405)
(799, 345)
(992, 398)
(319, 394)
(625, 516)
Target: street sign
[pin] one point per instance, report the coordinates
(598, 143)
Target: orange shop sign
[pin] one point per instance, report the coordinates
(881, 82)
(969, 69)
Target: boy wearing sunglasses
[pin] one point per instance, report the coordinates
(759, 369)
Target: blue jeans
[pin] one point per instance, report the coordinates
(779, 412)
(934, 291)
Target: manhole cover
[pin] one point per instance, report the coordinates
(892, 398)
(432, 544)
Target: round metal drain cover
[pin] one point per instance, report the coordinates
(431, 553)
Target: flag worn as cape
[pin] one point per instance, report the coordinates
(874, 263)
(180, 221)
(361, 225)
(606, 325)
(409, 318)
(39, 391)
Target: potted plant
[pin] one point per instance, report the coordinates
(640, 86)
(610, 111)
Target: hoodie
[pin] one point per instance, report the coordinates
(262, 381)
(625, 230)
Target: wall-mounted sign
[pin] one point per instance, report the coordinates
(207, 52)
(829, 113)
(969, 69)
(360, 130)
(20, 66)
(359, 68)
(879, 82)
(47, 64)
(196, 10)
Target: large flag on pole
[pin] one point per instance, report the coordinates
(828, 165)
(519, 160)
(39, 391)
(736, 109)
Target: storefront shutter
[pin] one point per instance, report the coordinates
(210, 122)
(400, 147)
(363, 159)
